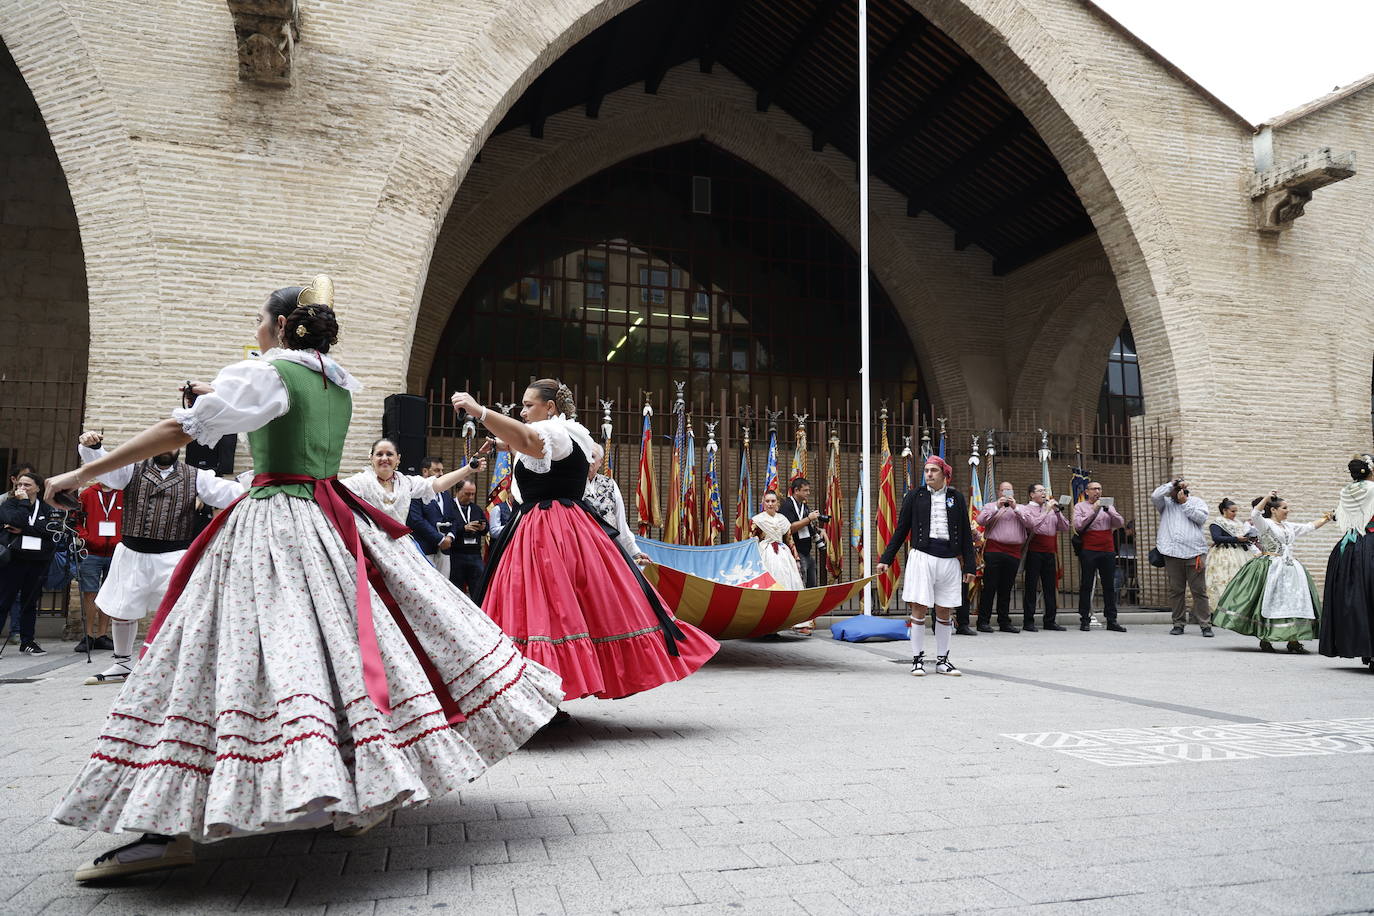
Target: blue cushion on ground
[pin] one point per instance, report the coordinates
(865, 626)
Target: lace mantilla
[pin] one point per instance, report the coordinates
(311, 360)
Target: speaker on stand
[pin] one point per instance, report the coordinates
(404, 422)
(218, 457)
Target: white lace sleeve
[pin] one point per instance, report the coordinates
(248, 395)
(557, 441)
(416, 487)
(217, 491)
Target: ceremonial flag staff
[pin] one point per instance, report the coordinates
(866, 378)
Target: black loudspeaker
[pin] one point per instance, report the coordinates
(218, 458)
(403, 422)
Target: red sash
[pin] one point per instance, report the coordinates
(1099, 539)
(1044, 543)
(1011, 550)
(338, 504)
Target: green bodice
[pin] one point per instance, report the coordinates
(307, 439)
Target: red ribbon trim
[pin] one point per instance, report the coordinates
(338, 504)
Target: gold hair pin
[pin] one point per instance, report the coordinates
(319, 292)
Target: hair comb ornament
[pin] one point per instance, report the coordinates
(300, 330)
(319, 292)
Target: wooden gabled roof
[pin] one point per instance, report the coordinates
(942, 131)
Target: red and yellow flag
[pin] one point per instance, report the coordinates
(887, 519)
(646, 494)
(672, 522)
(834, 507)
(744, 498)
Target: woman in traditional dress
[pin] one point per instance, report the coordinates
(561, 585)
(306, 668)
(1231, 548)
(779, 557)
(1273, 596)
(603, 495)
(1348, 628)
(382, 485)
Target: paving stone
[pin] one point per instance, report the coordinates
(932, 812)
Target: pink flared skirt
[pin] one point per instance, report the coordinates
(567, 596)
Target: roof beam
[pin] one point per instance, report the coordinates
(659, 63)
(910, 33)
(949, 178)
(938, 101)
(1009, 208)
(726, 14)
(1039, 247)
(598, 83)
(538, 93)
(810, 32)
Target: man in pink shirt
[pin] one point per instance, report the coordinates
(1044, 520)
(1005, 532)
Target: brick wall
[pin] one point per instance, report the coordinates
(191, 187)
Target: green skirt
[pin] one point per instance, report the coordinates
(1239, 609)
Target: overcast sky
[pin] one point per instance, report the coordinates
(1261, 57)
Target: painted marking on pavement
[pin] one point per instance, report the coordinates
(1133, 747)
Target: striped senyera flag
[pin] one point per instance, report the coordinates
(887, 521)
(646, 494)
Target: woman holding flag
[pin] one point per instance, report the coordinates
(558, 581)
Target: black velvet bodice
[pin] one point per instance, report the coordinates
(566, 479)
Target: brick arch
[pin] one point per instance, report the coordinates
(1062, 373)
(1059, 95)
(476, 225)
(98, 162)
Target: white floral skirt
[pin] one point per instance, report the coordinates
(249, 711)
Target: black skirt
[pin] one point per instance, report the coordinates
(1348, 600)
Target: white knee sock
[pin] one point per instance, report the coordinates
(122, 633)
(918, 636)
(942, 630)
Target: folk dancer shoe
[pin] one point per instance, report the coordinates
(117, 673)
(151, 852)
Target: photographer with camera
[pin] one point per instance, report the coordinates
(1005, 530)
(1183, 543)
(1044, 518)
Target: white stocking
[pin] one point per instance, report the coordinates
(122, 633)
(942, 630)
(918, 633)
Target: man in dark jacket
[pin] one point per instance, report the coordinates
(35, 533)
(430, 522)
(936, 517)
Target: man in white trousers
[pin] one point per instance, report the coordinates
(941, 560)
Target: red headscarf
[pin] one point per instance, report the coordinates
(942, 464)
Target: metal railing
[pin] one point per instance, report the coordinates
(1129, 462)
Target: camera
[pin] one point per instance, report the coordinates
(823, 519)
(473, 462)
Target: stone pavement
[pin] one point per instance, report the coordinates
(814, 777)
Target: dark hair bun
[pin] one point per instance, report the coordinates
(1358, 469)
(311, 327)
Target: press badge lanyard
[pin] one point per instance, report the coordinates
(469, 537)
(28, 541)
(106, 529)
(805, 531)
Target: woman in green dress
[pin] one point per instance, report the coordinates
(308, 667)
(1273, 597)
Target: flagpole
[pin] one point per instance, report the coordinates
(866, 397)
